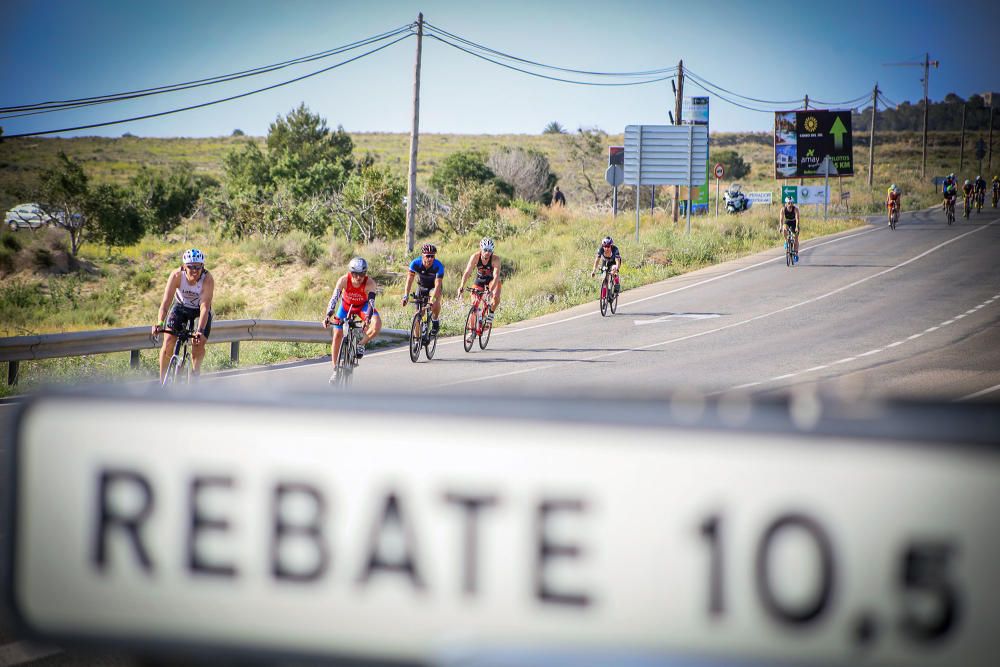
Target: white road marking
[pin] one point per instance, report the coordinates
(947, 322)
(871, 352)
(915, 336)
(931, 329)
(988, 390)
(17, 653)
(689, 316)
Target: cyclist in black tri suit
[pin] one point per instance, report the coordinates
(610, 258)
(789, 222)
(487, 267)
(429, 273)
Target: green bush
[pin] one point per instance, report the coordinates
(11, 242)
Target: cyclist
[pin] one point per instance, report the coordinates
(893, 198)
(788, 221)
(610, 258)
(358, 290)
(996, 190)
(949, 180)
(429, 273)
(487, 266)
(979, 187)
(968, 190)
(950, 193)
(190, 287)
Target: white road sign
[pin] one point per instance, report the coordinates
(352, 534)
(666, 154)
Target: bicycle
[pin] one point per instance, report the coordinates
(476, 324)
(790, 255)
(980, 200)
(422, 332)
(609, 295)
(950, 208)
(996, 195)
(180, 363)
(347, 358)
(893, 215)
(968, 206)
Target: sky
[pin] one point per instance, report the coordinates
(836, 51)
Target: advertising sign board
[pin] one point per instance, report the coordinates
(802, 139)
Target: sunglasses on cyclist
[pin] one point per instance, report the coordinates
(357, 274)
(429, 256)
(194, 267)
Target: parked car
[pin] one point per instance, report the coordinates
(27, 216)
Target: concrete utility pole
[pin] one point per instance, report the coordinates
(961, 151)
(678, 105)
(411, 187)
(926, 64)
(871, 141)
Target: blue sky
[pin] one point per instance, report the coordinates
(834, 51)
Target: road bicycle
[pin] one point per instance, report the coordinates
(179, 366)
(996, 195)
(893, 214)
(950, 208)
(790, 255)
(422, 332)
(609, 295)
(347, 358)
(477, 324)
(980, 200)
(968, 206)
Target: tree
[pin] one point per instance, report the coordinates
(464, 168)
(303, 149)
(66, 188)
(164, 197)
(238, 132)
(732, 162)
(527, 171)
(554, 128)
(586, 155)
(115, 220)
(371, 203)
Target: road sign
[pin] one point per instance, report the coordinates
(616, 155)
(980, 149)
(578, 531)
(614, 175)
(666, 154)
(720, 171)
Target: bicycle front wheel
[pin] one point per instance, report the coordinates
(484, 335)
(470, 328)
(604, 297)
(432, 341)
(184, 369)
(415, 337)
(613, 297)
(171, 374)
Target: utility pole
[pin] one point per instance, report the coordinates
(990, 167)
(678, 105)
(926, 64)
(871, 141)
(411, 188)
(961, 152)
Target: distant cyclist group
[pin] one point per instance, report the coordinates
(185, 313)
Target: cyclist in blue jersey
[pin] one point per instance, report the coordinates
(429, 273)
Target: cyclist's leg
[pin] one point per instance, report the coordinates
(166, 351)
(373, 324)
(337, 323)
(495, 288)
(198, 350)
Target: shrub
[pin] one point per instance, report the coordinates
(11, 242)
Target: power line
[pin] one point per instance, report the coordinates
(508, 56)
(726, 99)
(205, 104)
(546, 76)
(42, 107)
(688, 72)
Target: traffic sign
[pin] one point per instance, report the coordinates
(980, 149)
(614, 175)
(720, 171)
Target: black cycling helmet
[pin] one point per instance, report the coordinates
(428, 249)
(608, 241)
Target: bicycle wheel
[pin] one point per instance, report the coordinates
(343, 368)
(171, 374)
(613, 297)
(484, 335)
(432, 339)
(470, 328)
(604, 297)
(788, 253)
(415, 336)
(184, 368)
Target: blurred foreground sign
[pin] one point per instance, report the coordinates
(379, 535)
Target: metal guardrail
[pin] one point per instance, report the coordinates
(133, 339)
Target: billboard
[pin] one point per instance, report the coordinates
(802, 139)
(696, 113)
(666, 155)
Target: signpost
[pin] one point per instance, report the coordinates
(665, 155)
(720, 171)
(804, 139)
(615, 176)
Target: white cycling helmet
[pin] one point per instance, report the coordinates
(486, 245)
(608, 242)
(193, 256)
(358, 265)
(951, 175)
(894, 188)
(979, 178)
(788, 200)
(967, 181)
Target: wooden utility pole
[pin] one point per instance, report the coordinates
(411, 187)
(926, 64)
(678, 106)
(871, 140)
(990, 166)
(961, 152)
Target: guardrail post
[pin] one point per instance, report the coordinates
(234, 352)
(133, 361)
(12, 367)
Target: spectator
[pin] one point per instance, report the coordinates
(558, 199)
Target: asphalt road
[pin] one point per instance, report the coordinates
(870, 313)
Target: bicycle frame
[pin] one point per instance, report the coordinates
(180, 360)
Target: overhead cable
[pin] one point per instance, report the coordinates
(688, 72)
(218, 101)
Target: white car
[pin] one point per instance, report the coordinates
(27, 216)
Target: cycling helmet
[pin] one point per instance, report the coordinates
(608, 241)
(428, 249)
(967, 181)
(193, 256)
(788, 200)
(894, 188)
(951, 175)
(358, 265)
(486, 245)
(979, 178)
